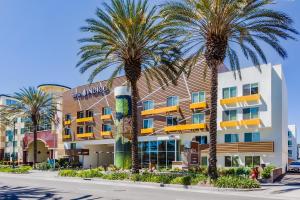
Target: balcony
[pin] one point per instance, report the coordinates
(251, 122)
(185, 127)
(199, 105)
(228, 101)
(106, 133)
(67, 122)
(146, 131)
(226, 124)
(65, 137)
(241, 147)
(160, 110)
(250, 98)
(85, 119)
(85, 135)
(106, 117)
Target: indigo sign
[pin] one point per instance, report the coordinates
(94, 91)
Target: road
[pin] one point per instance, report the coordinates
(34, 186)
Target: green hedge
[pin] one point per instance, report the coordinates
(266, 173)
(17, 170)
(236, 182)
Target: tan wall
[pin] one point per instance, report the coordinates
(42, 156)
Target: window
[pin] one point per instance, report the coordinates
(229, 92)
(204, 161)
(15, 143)
(68, 117)
(148, 105)
(106, 111)
(10, 102)
(198, 97)
(230, 138)
(106, 127)
(22, 130)
(173, 101)
(80, 114)
(89, 129)
(201, 139)
(148, 123)
(229, 115)
(171, 120)
(250, 113)
(198, 118)
(67, 131)
(290, 134)
(80, 129)
(290, 152)
(73, 146)
(290, 143)
(89, 113)
(231, 161)
(250, 89)
(252, 161)
(252, 137)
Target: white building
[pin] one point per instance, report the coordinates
(292, 142)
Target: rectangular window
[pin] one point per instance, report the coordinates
(80, 114)
(106, 111)
(252, 161)
(201, 139)
(89, 113)
(198, 97)
(73, 146)
(229, 115)
(251, 113)
(198, 118)
(10, 102)
(67, 131)
(173, 101)
(252, 137)
(148, 105)
(290, 143)
(106, 127)
(67, 117)
(89, 129)
(231, 161)
(15, 143)
(229, 92)
(148, 123)
(80, 129)
(22, 130)
(250, 89)
(204, 161)
(290, 152)
(231, 138)
(171, 120)
(290, 134)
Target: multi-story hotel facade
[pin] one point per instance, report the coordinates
(252, 120)
(292, 143)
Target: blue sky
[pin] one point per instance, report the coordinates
(38, 44)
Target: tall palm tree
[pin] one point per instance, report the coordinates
(215, 29)
(32, 104)
(128, 36)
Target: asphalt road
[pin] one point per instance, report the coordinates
(32, 187)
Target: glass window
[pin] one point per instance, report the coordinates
(173, 101)
(290, 134)
(229, 92)
(67, 131)
(229, 115)
(106, 111)
(10, 102)
(251, 161)
(232, 161)
(172, 121)
(201, 139)
(68, 117)
(148, 105)
(171, 145)
(89, 113)
(204, 161)
(230, 138)
(252, 137)
(227, 161)
(80, 129)
(290, 143)
(198, 97)
(161, 145)
(106, 127)
(22, 130)
(290, 152)
(250, 113)
(73, 146)
(80, 114)
(250, 89)
(89, 129)
(198, 118)
(148, 123)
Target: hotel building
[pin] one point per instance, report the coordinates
(292, 143)
(252, 120)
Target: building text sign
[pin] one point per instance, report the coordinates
(93, 91)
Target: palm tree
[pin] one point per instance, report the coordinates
(214, 29)
(32, 104)
(128, 36)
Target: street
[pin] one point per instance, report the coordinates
(46, 185)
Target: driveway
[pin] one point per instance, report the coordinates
(291, 179)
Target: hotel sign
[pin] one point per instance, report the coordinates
(89, 92)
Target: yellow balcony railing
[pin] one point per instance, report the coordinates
(106, 117)
(85, 135)
(145, 131)
(184, 127)
(85, 119)
(66, 136)
(251, 122)
(199, 105)
(233, 123)
(160, 110)
(232, 100)
(106, 133)
(249, 98)
(67, 122)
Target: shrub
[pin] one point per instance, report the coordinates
(199, 178)
(266, 173)
(113, 168)
(43, 166)
(183, 180)
(136, 177)
(234, 171)
(235, 182)
(67, 172)
(18, 170)
(116, 176)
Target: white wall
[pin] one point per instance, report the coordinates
(293, 138)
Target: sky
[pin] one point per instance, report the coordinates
(39, 44)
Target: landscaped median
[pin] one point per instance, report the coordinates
(16, 170)
(229, 178)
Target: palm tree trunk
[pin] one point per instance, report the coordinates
(134, 144)
(34, 121)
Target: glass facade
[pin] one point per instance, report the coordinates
(106, 111)
(148, 105)
(250, 113)
(198, 97)
(251, 161)
(232, 161)
(80, 129)
(198, 118)
(158, 153)
(173, 101)
(229, 92)
(252, 137)
(106, 127)
(201, 139)
(171, 120)
(229, 115)
(148, 123)
(250, 89)
(229, 138)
